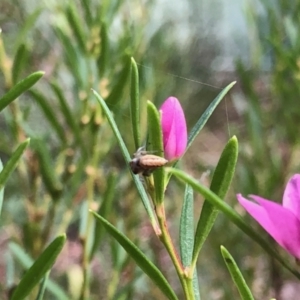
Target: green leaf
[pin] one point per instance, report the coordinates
(71, 55)
(186, 235)
(47, 168)
(232, 215)
(38, 270)
(208, 112)
(50, 114)
(109, 10)
(42, 288)
(139, 257)
(196, 285)
(10, 167)
(88, 16)
(76, 26)
(135, 104)
(12, 163)
(20, 88)
(118, 89)
(103, 211)
(104, 52)
(118, 254)
(19, 62)
(220, 184)
(1, 189)
(186, 228)
(224, 171)
(236, 275)
(155, 143)
(26, 261)
(137, 182)
(70, 118)
(27, 26)
(10, 269)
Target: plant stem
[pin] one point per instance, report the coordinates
(190, 287)
(166, 239)
(86, 242)
(92, 175)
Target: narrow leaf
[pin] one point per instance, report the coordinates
(186, 229)
(38, 270)
(186, 235)
(27, 26)
(87, 8)
(10, 167)
(12, 163)
(57, 291)
(42, 288)
(137, 182)
(20, 88)
(1, 189)
(18, 252)
(76, 26)
(206, 115)
(196, 285)
(135, 104)
(19, 62)
(155, 143)
(109, 10)
(117, 90)
(72, 57)
(139, 257)
(232, 215)
(236, 275)
(104, 210)
(10, 269)
(104, 54)
(49, 113)
(26, 261)
(70, 118)
(220, 184)
(50, 178)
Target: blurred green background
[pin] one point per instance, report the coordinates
(187, 49)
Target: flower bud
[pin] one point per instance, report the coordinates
(173, 128)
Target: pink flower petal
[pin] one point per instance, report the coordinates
(278, 221)
(291, 196)
(260, 215)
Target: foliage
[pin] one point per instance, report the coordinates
(70, 203)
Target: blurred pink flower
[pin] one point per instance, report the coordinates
(173, 128)
(282, 222)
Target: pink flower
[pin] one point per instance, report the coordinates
(282, 222)
(173, 128)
